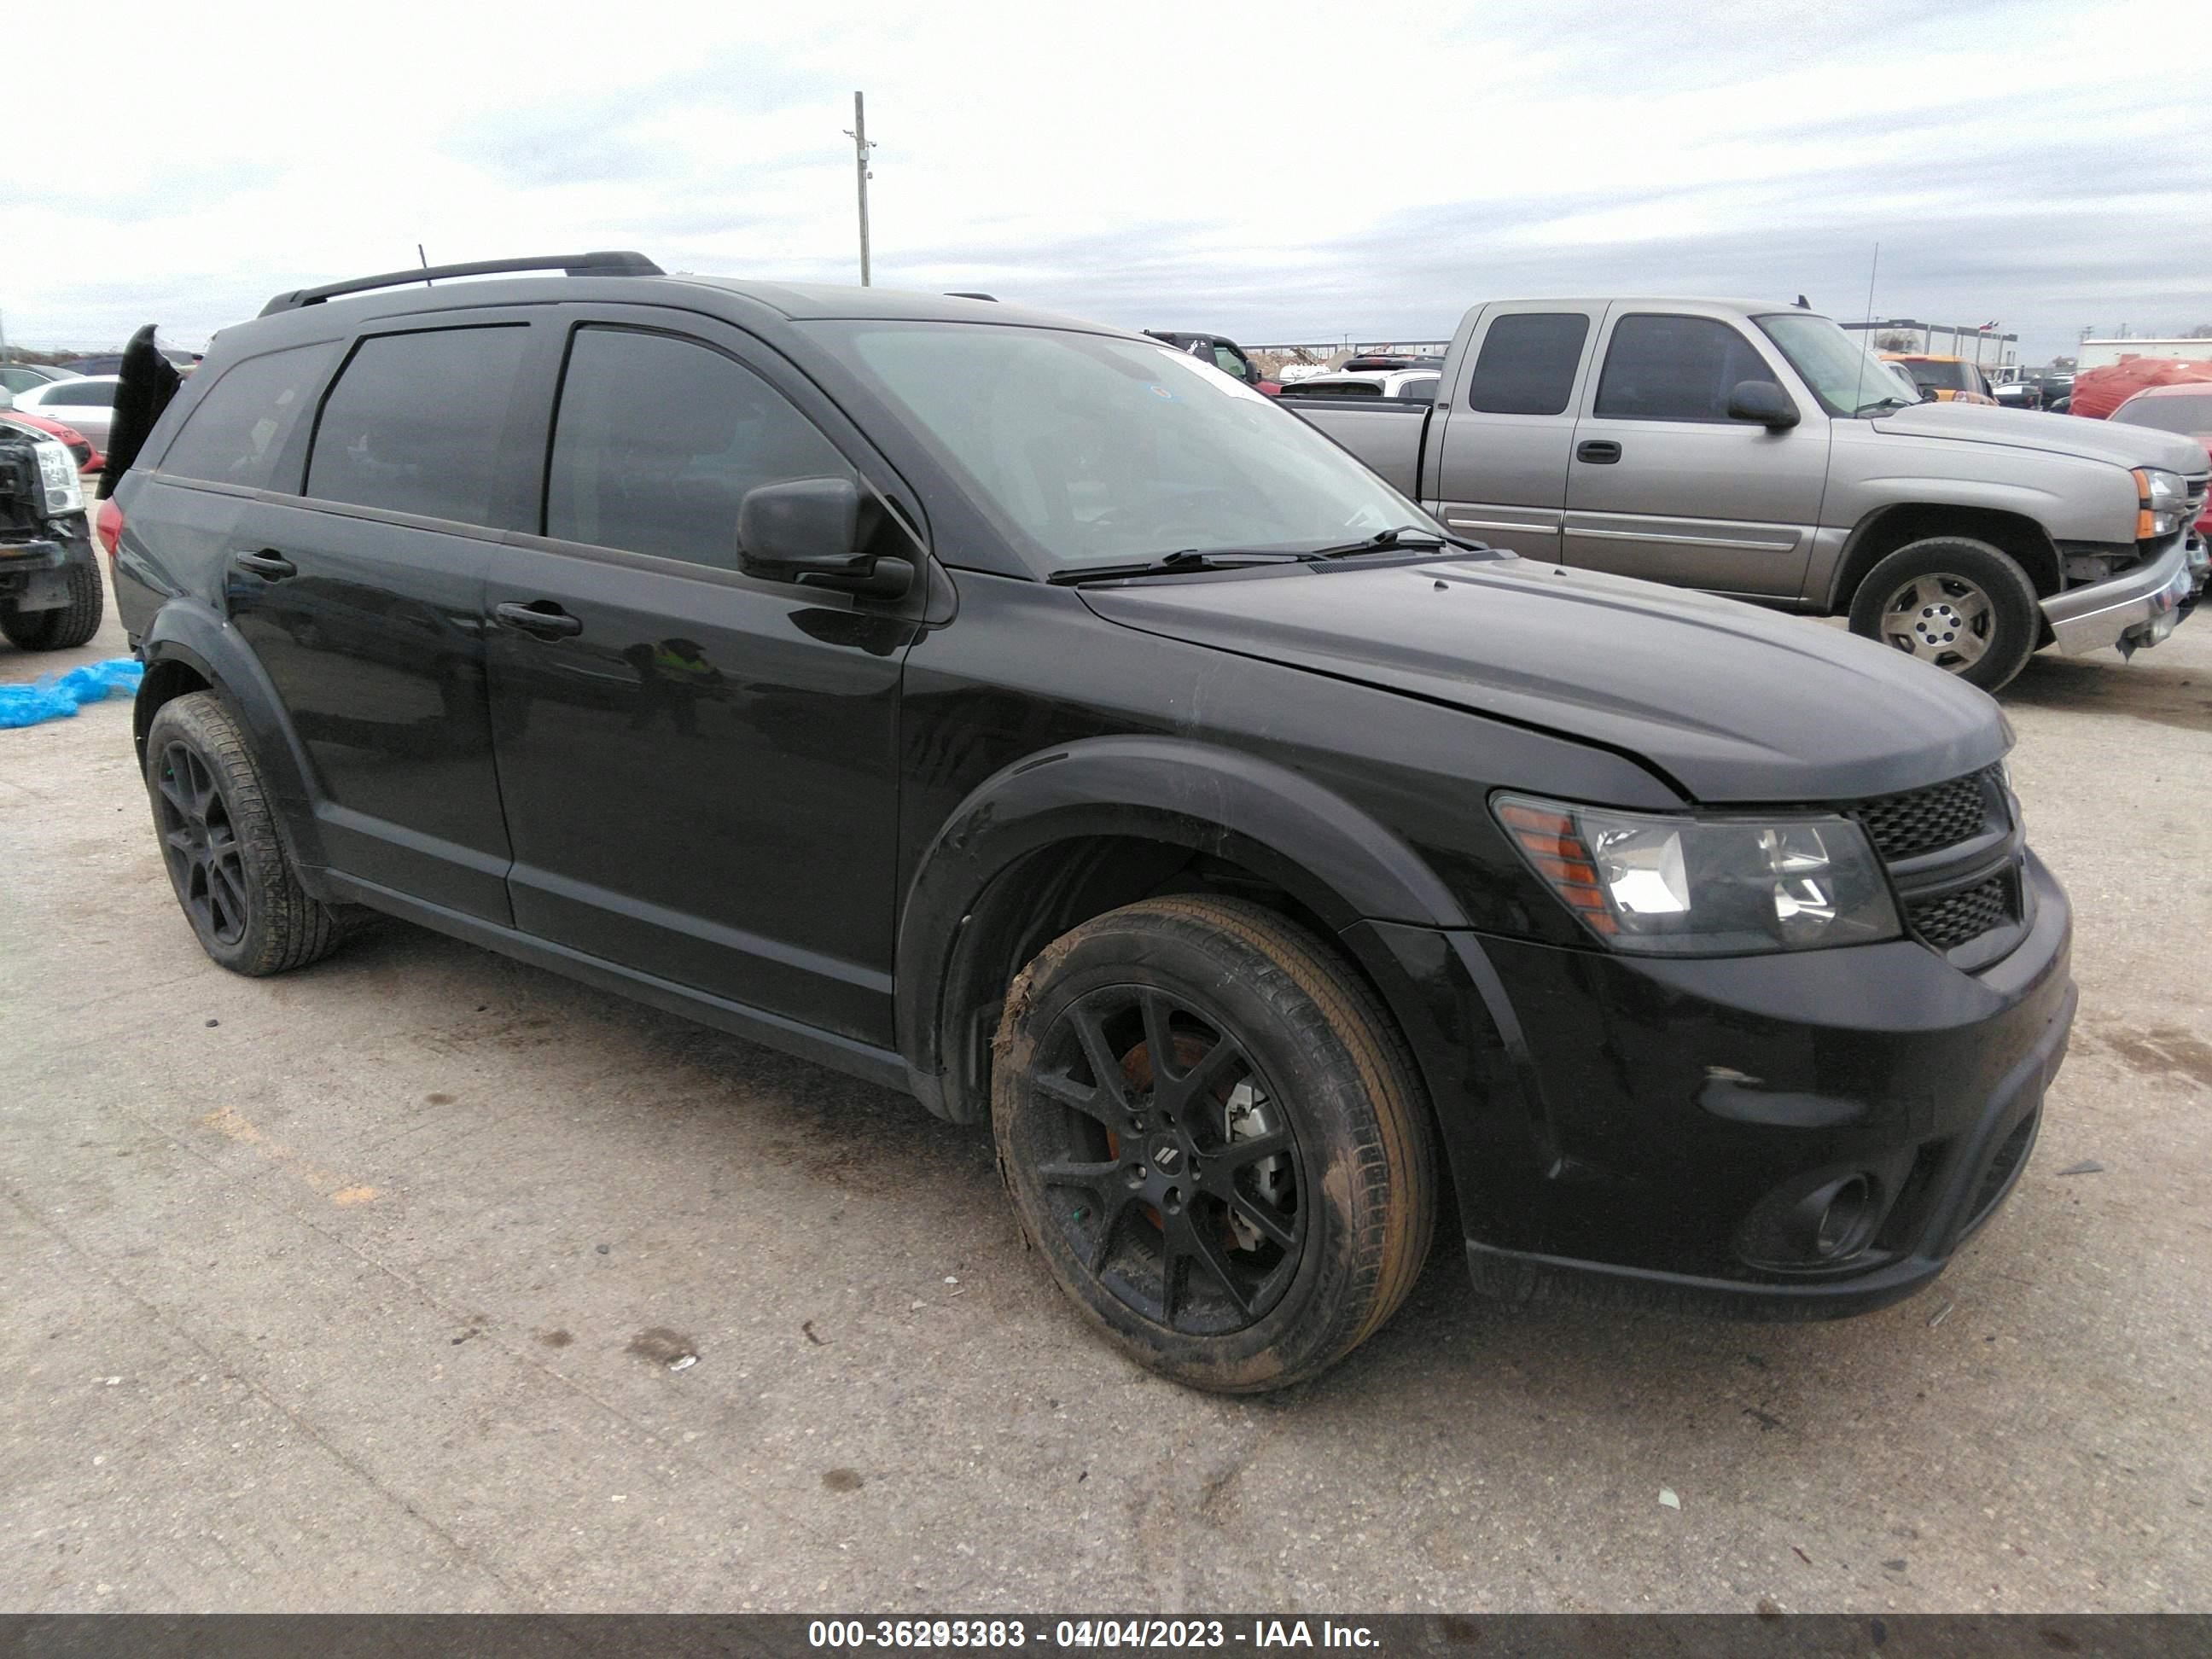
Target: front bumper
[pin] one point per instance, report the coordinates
(1644, 1130)
(2137, 608)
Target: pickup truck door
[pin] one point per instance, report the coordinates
(1508, 424)
(1663, 485)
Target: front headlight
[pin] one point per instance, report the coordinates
(1707, 887)
(58, 484)
(2160, 496)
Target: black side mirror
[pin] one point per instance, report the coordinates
(1764, 402)
(817, 532)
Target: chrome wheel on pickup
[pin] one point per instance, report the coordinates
(1955, 604)
(1943, 620)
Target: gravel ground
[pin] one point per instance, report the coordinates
(360, 1289)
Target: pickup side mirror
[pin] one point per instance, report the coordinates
(818, 532)
(1764, 402)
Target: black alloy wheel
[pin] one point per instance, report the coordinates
(206, 861)
(1216, 1138)
(219, 837)
(1176, 1174)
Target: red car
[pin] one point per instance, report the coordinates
(88, 459)
(2186, 408)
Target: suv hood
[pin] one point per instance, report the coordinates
(2057, 435)
(1730, 703)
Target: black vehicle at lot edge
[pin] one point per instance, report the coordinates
(50, 597)
(1014, 712)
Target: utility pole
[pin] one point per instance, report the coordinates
(857, 132)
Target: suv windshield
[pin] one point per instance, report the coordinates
(2189, 415)
(1845, 376)
(1104, 451)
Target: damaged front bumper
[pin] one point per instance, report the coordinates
(2137, 608)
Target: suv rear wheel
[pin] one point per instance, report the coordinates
(1215, 1139)
(1956, 604)
(61, 629)
(229, 868)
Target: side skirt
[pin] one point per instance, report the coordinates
(880, 1067)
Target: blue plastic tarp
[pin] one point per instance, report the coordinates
(57, 696)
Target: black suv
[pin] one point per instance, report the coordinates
(1017, 713)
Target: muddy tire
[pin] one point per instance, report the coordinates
(225, 861)
(1215, 1139)
(1955, 604)
(65, 629)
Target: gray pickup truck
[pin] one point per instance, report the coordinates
(1758, 451)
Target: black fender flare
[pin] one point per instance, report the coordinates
(188, 631)
(1333, 858)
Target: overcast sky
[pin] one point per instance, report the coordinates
(1274, 172)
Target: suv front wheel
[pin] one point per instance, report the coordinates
(1956, 604)
(225, 861)
(1215, 1139)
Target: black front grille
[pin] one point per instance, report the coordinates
(1922, 820)
(1956, 917)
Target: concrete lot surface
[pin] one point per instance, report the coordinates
(366, 1289)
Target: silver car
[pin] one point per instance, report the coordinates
(85, 401)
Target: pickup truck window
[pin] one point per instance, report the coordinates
(1674, 368)
(1527, 365)
(1845, 376)
(1098, 450)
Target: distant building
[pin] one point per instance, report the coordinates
(2096, 354)
(1996, 355)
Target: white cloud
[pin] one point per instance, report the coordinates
(1290, 170)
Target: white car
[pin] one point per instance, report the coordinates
(87, 403)
(1406, 385)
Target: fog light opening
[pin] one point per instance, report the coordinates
(1845, 1219)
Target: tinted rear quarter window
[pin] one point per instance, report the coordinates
(81, 394)
(414, 424)
(1527, 364)
(1674, 368)
(241, 426)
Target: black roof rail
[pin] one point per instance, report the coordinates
(603, 264)
(966, 294)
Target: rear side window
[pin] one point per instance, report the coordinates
(658, 439)
(414, 424)
(242, 424)
(1674, 368)
(81, 394)
(1527, 365)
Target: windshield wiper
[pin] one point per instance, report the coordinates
(1183, 560)
(1384, 541)
(1880, 404)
